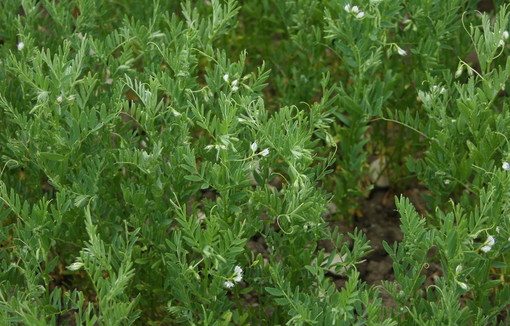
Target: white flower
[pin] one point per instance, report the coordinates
(225, 78)
(234, 82)
(458, 269)
(490, 240)
(360, 15)
(265, 152)
(238, 274)
(505, 35)
(75, 266)
(355, 9)
(254, 146)
(201, 217)
(228, 284)
(463, 285)
(238, 270)
(447, 182)
(506, 166)
(59, 98)
(501, 43)
(347, 7)
(497, 229)
(21, 45)
(401, 52)
(486, 248)
(234, 88)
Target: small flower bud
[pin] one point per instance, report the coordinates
(59, 99)
(21, 45)
(75, 266)
(360, 15)
(254, 146)
(458, 269)
(459, 71)
(265, 152)
(355, 10)
(401, 52)
(347, 7)
(175, 113)
(228, 284)
(501, 43)
(234, 88)
(463, 285)
(234, 82)
(225, 78)
(490, 240)
(505, 35)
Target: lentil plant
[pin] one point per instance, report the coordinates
(176, 162)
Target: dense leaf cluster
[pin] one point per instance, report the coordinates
(168, 162)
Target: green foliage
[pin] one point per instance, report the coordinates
(169, 162)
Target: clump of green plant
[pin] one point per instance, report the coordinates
(154, 172)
